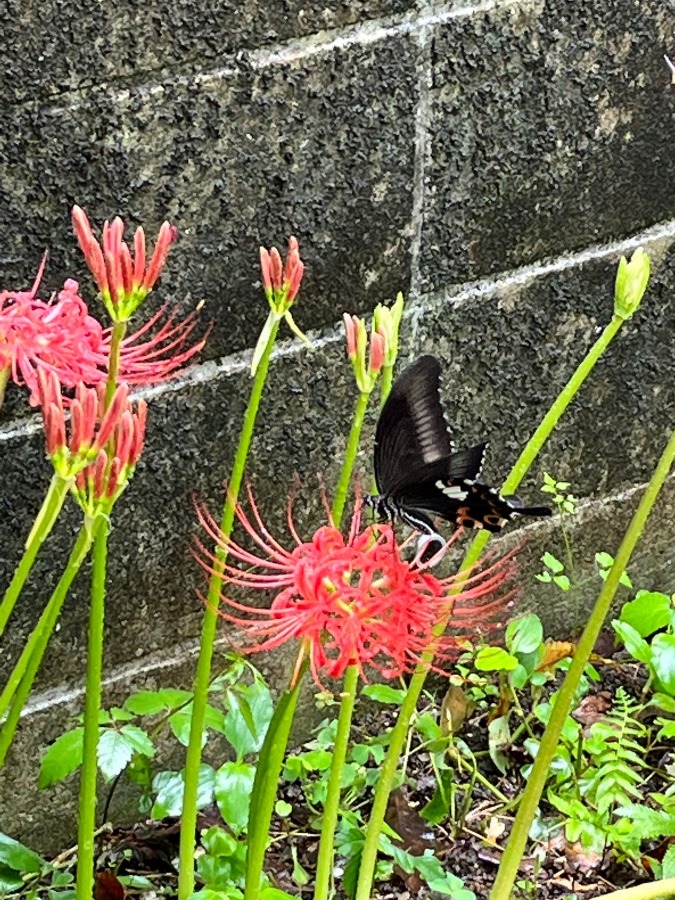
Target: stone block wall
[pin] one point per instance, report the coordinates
(491, 160)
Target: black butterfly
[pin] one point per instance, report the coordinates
(418, 472)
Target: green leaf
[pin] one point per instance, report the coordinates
(663, 661)
(668, 870)
(150, 703)
(637, 646)
(138, 740)
(10, 880)
(114, 753)
(283, 809)
(383, 693)
(234, 783)
(495, 659)
(551, 562)
(604, 560)
(525, 634)
(169, 787)
(62, 758)
(436, 810)
(499, 735)
(258, 699)
(120, 715)
(15, 856)
(647, 613)
(272, 893)
(350, 876)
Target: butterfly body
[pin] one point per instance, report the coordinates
(418, 471)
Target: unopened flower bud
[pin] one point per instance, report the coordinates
(631, 283)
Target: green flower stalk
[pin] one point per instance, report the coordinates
(527, 808)
(20, 682)
(281, 285)
(519, 470)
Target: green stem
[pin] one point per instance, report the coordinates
(501, 890)
(342, 489)
(44, 522)
(21, 679)
(201, 685)
(4, 378)
(265, 785)
(118, 332)
(398, 734)
(324, 866)
(92, 707)
(386, 383)
(650, 891)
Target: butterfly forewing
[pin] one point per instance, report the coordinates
(411, 432)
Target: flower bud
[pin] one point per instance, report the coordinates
(631, 283)
(386, 321)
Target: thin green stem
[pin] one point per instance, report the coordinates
(342, 489)
(21, 679)
(508, 868)
(44, 522)
(92, 707)
(4, 378)
(519, 470)
(324, 865)
(118, 332)
(386, 383)
(652, 890)
(186, 875)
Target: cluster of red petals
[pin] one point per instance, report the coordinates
(100, 443)
(122, 277)
(350, 601)
(281, 280)
(58, 336)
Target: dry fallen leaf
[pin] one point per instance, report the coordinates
(454, 710)
(494, 831)
(554, 652)
(108, 886)
(592, 708)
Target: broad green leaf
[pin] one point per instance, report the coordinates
(114, 753)
(15, 856)
(169, 787)
(663, 661)
(219, 842)
(553, 563)
(636, 645)
(272, 893)
(668, 865)
(436, 810)
(283, 809)
(647, 613)
(120, 715)
(255, 699)
(150, 703)
(62, 758)
(10, 880)
(495, 659)
(525, 634)
(383, 693)
(138, 740)
(234, 783)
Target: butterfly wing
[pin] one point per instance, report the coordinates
(411, 432)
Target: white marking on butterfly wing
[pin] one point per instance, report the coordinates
(453, 491)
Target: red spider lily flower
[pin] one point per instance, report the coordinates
(104, 442)
(365, 370)
(92, 425)
(349, 601)
(145, 357)
(123, 279)
(59, 337)
(281, 282)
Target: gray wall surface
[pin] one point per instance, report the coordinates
(491, 160)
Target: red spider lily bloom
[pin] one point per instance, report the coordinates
(104, 442)
(145, 357)
(123, 280)
(281, 280)
(59, 337)
(349, 601)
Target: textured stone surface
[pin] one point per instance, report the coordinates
(321, 147)
(551, 127)
(59, 46)
(508, 352)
